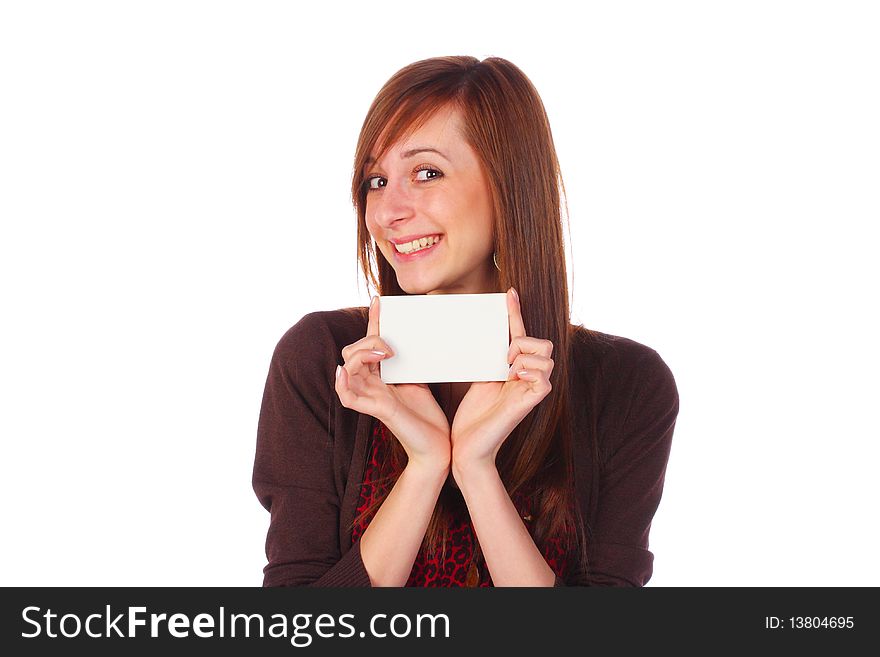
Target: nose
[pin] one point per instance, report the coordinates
(391, 206)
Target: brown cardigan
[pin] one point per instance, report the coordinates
(311, 453)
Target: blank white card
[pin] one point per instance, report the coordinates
(445, 338)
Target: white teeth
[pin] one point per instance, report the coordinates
(417, 245)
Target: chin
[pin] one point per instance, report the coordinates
(415, 288)
(410, 289)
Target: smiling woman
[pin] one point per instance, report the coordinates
(551, 477)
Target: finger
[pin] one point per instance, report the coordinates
(341, 380)
(348, 397)
(538, 381)
(373, 321)
(363, 357)
(532, 364)
(514, 315)
(345, 393)
(369, 342)
(528, 345)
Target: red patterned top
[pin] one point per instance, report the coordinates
(456, 569)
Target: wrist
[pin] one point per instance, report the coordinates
(434, 450)
(430, 471)
(472, 469)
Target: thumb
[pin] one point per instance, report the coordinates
(373, 321)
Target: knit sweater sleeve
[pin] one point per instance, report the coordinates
(636, 453)
(293, 474)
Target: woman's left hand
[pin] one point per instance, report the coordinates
(491, 410)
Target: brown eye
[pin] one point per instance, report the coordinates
(430, 174)
(436, 173)
(373, 182)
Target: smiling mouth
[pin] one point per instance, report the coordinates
(417, 245)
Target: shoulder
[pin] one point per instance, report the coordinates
(620, 369)
(307, 354)
(611, 352)
(324, 330)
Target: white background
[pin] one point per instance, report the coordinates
(174, 195)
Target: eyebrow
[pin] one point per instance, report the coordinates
(411, 152)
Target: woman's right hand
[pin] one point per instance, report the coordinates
(409, 410)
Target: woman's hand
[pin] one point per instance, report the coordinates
(491, 410)
(409, 410)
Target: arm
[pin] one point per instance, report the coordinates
(293, 473)
(631, 485)
(511, 555)
(392, 540)
(487, 415)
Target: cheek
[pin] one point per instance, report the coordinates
(372, 227)
(482, 227)
(479, 205)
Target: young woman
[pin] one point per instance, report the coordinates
(550, 478)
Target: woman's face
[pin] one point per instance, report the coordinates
(416, 193)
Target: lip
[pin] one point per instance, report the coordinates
(422, 253)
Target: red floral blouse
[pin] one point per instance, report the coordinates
(456, 569)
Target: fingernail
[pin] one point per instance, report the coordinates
(516, 296)
(338, 370)
(378, 353)
(373, 302)
(523, 373)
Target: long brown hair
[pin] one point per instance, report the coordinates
(505, 122)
